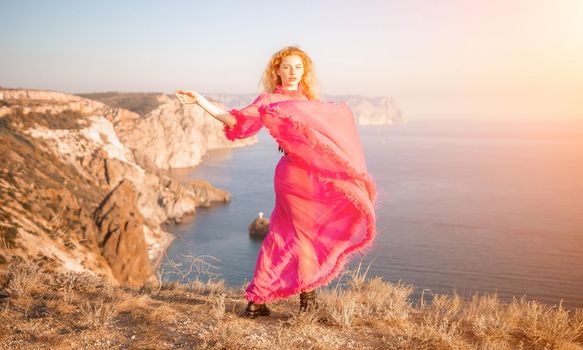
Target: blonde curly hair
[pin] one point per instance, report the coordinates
(270, 79)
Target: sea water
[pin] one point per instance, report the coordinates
(463, 207)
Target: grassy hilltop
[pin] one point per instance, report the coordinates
(40, 309)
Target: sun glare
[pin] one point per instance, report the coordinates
(579, 16)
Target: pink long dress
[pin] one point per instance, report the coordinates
(324, 196)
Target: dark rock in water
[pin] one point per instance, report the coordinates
(259, 226)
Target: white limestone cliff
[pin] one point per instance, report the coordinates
(104, 146)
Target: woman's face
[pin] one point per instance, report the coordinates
(291, 71)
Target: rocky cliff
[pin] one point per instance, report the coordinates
(78, 183)
(161, 133)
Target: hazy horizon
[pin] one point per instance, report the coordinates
(485, 59)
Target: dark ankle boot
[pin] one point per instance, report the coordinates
(253, 310)
(308, 301)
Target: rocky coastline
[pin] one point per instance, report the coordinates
(82, 177)
(81, 184)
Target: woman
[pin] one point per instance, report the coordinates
(324, 196)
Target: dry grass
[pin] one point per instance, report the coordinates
(71, 310)
(23, 278)
(97, 314)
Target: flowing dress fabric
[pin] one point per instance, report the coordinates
(324, 196)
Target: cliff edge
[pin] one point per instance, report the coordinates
(80, 187)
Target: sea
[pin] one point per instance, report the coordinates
(464, 207)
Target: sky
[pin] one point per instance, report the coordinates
(496, 59)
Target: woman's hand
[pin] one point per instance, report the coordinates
(189, 96)
(186, 96)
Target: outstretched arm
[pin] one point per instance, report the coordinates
(186, 97)
(238, 123)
